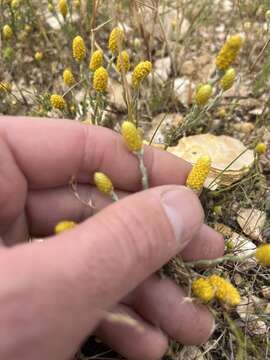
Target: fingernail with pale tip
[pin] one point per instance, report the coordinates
(184, 213)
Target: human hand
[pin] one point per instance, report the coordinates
(55, 293)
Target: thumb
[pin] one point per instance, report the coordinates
(128, 241)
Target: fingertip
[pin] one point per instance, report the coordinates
(207, 244)
(184, 213)
(135, 338)
(198, 329)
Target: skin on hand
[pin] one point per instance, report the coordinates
(55, 293)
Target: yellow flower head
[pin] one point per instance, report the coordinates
(115, 40)
(141, 71)
(199, 173)
(131, 136)
(7, 32)
(38, 56)
(263, 255)
(78, 47)
(225, 292)
(203, 290)
(58, 102)
(68, 77)
(103, 183)
(63, 226)
(228, 79)
(229, 52)
(5, 87)
(50, 7)
(63, 7)
(101, 78)
(15, 4)
(203, 94)
(260, 148)
(96, 60)
(123, 63)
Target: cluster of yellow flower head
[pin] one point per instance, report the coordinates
(199, 173)
(263, 255)
(96, 60)
(131, 136)
(260, 148)
(229, 52)
(100, 73)
(228, 79)
(38, 56)
(7, 32)
(141, 71)
(63, 7)
(103, 183)
(58, 102)
(203, 94)
(216, 287)
(68, 77)
(123, 63)
(115, 40)
(224, 59)
(100, 80)
(78, 48)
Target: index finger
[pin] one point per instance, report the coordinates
(50, 151)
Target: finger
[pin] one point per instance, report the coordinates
(207, 244)
(65, 148)
(13, 188)
(165, 305)
(17, 232)
(131, 239)
(47, 207)
(131, 336)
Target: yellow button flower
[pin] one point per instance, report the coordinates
(203, 290)
(141, 71)
(123, 63)
(96, 60)
(224, 291)
(58, 102)
(38, 56)
(115, 40)
(199, 173)
(203, 94)
(64, 226)
(63, 7)
(78, 47)
(101, 78)
(103, 183)
(15, 4)
(131, 136)
(260, 148)
(68, 77)
(7, 32)
(228, 79)
(229, 52)
(263, 255)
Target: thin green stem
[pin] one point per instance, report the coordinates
(224, 259)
